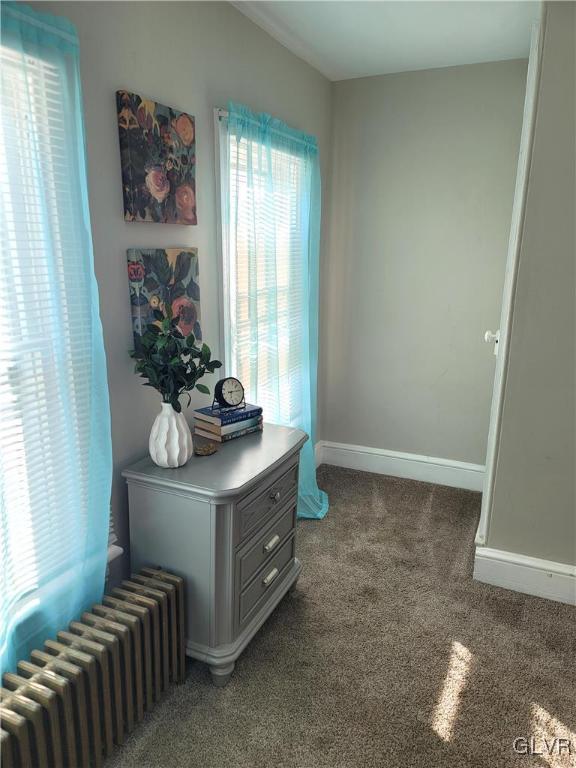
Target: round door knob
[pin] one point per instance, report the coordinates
(275, 496)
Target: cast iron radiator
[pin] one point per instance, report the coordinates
(85, 690)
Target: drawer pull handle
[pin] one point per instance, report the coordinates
(272, 543)
(267, 580)
(275, 496)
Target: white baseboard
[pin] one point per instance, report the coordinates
(542, 578)
(458, 474)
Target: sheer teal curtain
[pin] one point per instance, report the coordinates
(271, 239)
(55, 448)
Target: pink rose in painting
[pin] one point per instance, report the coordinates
(157, 183)
(184, 308)
(186, 204)
(184, 127)
(135, 271)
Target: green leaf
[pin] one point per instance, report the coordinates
(151, 374)
(151, 284)
(162, 267)
(153, 328)
(176, 405)
(203, 388)
(205, 354)
(190, 340)
(177, 291)
(158, 315)
(183, 261)
(147, 258)
(193, 290)
(212, 365)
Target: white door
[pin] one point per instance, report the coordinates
(501, 337)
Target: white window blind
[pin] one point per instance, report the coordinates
(271, 208)
(47, 349)
(263, 242)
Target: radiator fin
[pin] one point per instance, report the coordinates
(179, 668)
(143, 615)
(85, 690)
(89, 665)
(33, 713)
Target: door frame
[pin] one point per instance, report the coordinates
(510, 276)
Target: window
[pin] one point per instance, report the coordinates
(264, 288)
(54, 417)
(270, 200)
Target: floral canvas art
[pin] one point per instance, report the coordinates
(159, 277)
(158, 157)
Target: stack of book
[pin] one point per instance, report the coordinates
(223, 424)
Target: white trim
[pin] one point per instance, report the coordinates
(258, 13)
(512, 261)
(428, 469)
(531, 575)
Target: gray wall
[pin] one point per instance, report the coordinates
(534, 506)
(424, 167)
(193, 56)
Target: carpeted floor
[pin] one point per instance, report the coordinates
(387, 655)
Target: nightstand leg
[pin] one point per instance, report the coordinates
(221, 675)
(293, 586)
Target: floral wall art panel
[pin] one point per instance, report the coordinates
(158, 277)
(158, 157)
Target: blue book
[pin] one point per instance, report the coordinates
(231, 436)
(222, 416)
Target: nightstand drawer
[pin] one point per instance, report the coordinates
(258, 506)
(267, 543)
(266, 580)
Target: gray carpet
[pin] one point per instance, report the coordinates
(386, 655)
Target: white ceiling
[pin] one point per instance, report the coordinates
(357, 38)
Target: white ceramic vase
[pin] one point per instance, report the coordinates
(170, 441)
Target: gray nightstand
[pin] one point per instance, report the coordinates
(226, 523)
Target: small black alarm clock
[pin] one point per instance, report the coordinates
(229, 393)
